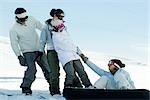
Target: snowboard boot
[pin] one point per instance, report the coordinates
(91, 87)
(77, 83)
(68, 86)
(26, 90)
(54, 91)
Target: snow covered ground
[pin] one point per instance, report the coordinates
(37, 95)
(11, 74)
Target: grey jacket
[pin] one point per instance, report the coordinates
(25, 38)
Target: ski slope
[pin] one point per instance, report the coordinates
(11, 74)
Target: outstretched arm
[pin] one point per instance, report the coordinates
(39, 25)
(97, 69)
(94, 67)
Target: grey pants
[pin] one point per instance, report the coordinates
(73, 67)
(29, 75)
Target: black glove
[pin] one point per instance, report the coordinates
(40, 53)
(84, 58)
(22, 61)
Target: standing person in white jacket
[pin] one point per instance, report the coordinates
(117, 78)
(66, 50)
(25, 44)
(46, 41)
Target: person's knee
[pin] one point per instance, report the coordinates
(101, 82)
(104, 78)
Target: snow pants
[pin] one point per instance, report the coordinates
(29, 75)
(104, 83)
(71, 68)
(54, 65)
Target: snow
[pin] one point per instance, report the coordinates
(11, 74)
(37, 95)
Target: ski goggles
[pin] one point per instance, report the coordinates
(112, 63)
(22, 19)
(60, 16)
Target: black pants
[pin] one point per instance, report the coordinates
(54, 64)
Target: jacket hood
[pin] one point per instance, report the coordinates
(48, 21)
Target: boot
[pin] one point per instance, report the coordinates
(77, 83)
(26, 90)
(54, 91)
(68, 86)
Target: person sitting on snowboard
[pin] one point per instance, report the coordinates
(117, 78)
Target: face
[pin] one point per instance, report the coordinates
(113, 69)
(22, 20)
(61, 16)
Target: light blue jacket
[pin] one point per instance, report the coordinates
(46, 38)
(120, 80)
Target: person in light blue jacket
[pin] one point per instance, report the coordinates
(117, 78)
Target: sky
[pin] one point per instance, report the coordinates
(113, 27)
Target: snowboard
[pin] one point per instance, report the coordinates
(102, 94)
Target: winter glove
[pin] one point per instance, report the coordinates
(84, 58)
(40, 53)
(22, 61)
(79, 52)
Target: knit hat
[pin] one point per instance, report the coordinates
(20, 13)
(116, 62)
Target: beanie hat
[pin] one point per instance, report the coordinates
(116, 62)
(20, 13)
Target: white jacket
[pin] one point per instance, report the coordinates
(123, 80)
(25, 38)
(64, 46)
